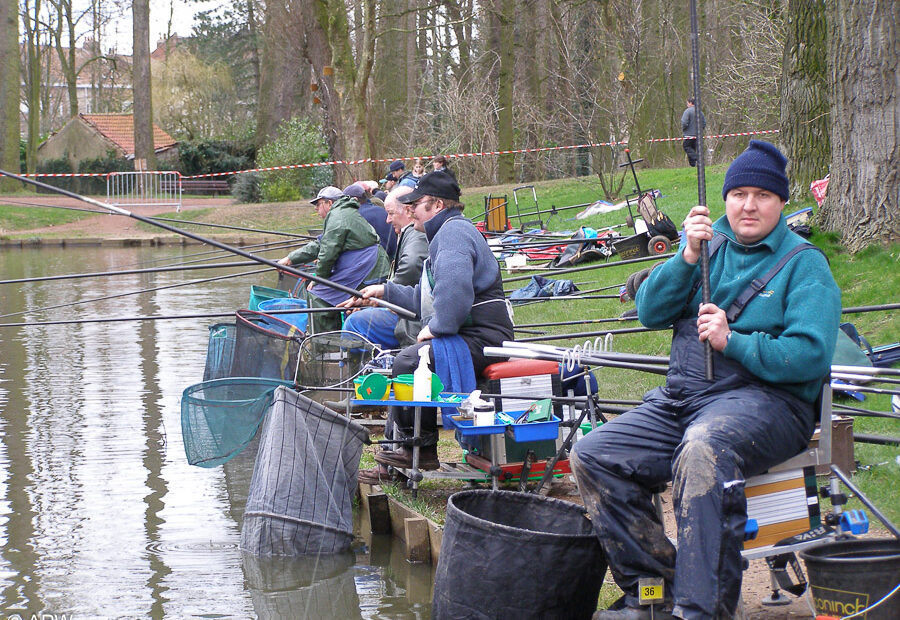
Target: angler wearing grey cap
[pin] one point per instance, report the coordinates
(772, 325)
(347, 252)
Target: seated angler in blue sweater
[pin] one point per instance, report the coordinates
(460, 301)
(772, 347)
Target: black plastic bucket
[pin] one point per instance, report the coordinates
(516, 555)
(846, 577)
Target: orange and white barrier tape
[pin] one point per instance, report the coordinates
(371, 160)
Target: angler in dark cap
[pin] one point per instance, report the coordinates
(459, 299)
(772, 346)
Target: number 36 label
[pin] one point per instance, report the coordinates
(650, 590)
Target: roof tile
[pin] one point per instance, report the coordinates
(119, 128)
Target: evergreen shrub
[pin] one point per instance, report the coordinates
(297, 141)
(245, 187)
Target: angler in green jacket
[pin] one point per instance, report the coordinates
(347, 252)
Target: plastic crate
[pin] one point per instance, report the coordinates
(535, 431)
(259, 294)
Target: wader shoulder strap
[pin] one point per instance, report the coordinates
(758, 284)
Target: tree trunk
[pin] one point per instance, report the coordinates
(253, 29)
(864, 190)
(9, 90)
(804, 96)
(65, 50)
(140, 80)
(505, 79)
(345, 105)
(282, 82)
(412, 68)
(31, 14)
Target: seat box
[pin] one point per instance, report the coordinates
(519, 383)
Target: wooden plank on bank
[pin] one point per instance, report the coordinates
(418, 546)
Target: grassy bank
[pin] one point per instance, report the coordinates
(18, 217)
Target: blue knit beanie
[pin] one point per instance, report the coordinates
(761, 165)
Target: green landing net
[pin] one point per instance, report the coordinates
(220, 417)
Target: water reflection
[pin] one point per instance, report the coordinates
(100, 514)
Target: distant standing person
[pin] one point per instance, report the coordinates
(689, 130)
(439, 163)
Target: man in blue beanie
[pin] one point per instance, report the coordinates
(772, 348)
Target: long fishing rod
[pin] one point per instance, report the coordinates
(264, 246)
(701, 174)
(518, 303)
(241, 228)
(167, 219)
(612, 355)
(593, 290)
(527, 245)
(126, 294)
(558, 357)
(860, 309)
(217, 254)
(598, 266)
(127, 272)
(224, 246)
(172, 317)
(839, 408)
(580, 322)
(578, 293)
(623, 330)
(553, 210)
(67, 208)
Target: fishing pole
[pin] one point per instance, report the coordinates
(127, 272)
(215, 254)
(599, 266)
(623, 330)
(167, 219)
(859, 309)
(701, 174)
(145, 290)
(582, 322)
(851, 377)
(171, 317)
(224, 246)
(35, 204)
(536, 300)
(839, 408)
(556, 357)
(578, 293)
(521, 216)
(593, 290)
(513, 245)
(241, 228)
(613, 355)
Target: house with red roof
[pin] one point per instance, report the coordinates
(93, 136)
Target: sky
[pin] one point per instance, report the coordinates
(182, 14)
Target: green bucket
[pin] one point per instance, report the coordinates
(373, 386)
(403, 387)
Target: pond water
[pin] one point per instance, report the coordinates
(100, 513)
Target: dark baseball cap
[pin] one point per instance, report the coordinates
(435, 184)
(397, 165)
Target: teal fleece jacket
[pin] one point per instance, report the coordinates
(786, 334)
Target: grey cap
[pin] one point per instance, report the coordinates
(329, 192)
